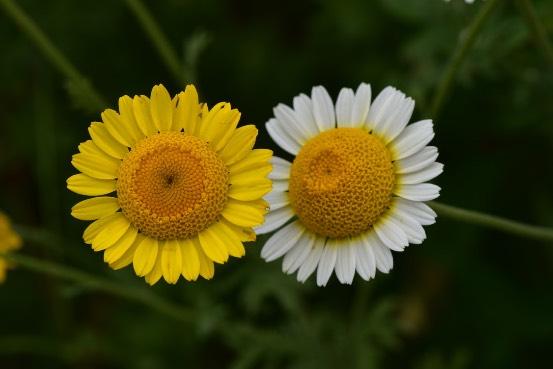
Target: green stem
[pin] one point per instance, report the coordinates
(51, 52)
(467, 40)
(494, 222)
(39, 236)
(158, 39)
(140, 295)
(537, 29)
(266, 338)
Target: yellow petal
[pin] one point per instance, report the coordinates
(111, 233)
(207, 269)
(207, 130)
(116, 127)
(89, 147)
(145, 256)
(95, 167)
(213, 244)
(245, 234)
(94, 162)
(190, 260)
(161, 108)
(261, 172)
(3, 268)
(126, 111)
(141, 105)
(232, 118)
(219, 124)
(247, 190)
(232, 240)
(239, 145)
(245, 214)
(256, 159)
(155, 275)
(95, 208)
(86, 185)
(105, 141)
(188, 111)
(96, 227)
(171, 261)
(118, 249)
(128, 256)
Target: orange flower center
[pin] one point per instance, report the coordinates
(172, 185)
(341, 182)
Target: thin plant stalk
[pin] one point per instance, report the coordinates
(466, 42)
(537, 29)
(87, 280)
(232, 329)
(493, 222)
(52, 53)
(158, 39)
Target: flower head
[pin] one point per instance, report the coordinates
(9, 241)
(186, 185)
(356, 185)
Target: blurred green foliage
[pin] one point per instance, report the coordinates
(467, 297)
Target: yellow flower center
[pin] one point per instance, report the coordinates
(341, 182)
(172, 186)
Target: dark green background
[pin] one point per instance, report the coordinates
(467, 298)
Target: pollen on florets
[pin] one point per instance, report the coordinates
(172, 185)
(341, 182)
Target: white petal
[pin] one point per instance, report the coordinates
(382, 255)
(379, 107)
(323, 108)
(396, 123)
(280, 185)
(391, 234)
(304, 114)
(345, 262)
(418, 192)
(423, 175)
(365, 262)
(275, 219)
(361, 104)
(417, 161)
(277, 199)
(282, 241)
(412, 139)
(287, 120)
(297, 254)
(401, 120)
(418, 210)
(344, 107)
(282, 138)
(281, 168)
(327, 263)
(312, 260)
(413, 229)
(392, 114)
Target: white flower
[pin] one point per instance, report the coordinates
(357, 185)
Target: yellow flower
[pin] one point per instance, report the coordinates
(9, 241)
(186, 185)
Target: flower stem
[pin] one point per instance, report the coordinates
(494, 222)
(52, 53)
(537, 28)
(466, 42)
(158, 39)
(140, 295)
(228, 328)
